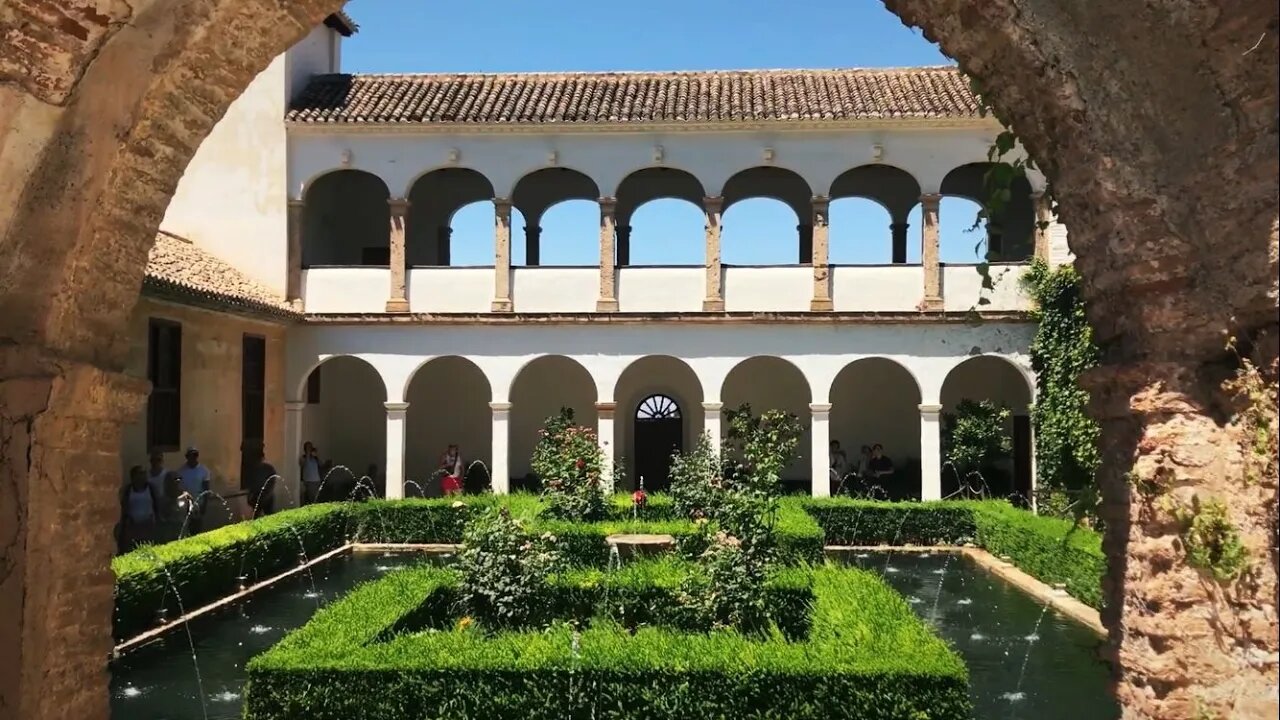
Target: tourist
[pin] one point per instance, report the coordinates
(259, 482)
(139, 511)
(194, 482)
(880, 465)
(451, 471)
(839, 464)
(309, 464)
(863, 470)
(157, 475)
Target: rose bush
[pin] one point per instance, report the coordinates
(570, 464)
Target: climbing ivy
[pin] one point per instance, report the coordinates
(1066, 437)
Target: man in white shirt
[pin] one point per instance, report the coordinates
(193, 479)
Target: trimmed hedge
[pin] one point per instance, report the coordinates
(1050, 549)
(867, 656)
(206, 567)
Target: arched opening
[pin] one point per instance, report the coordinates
(998, 380)
(346, 420)
(858, 227)
(755, 227)
(448, 405)
(771, 383)
(543, 386)
(645, 437)
(346, 221)
(671, 233)
(876, 401)
(576, 235)
(471, 236)
(434, 199)
(1009, 235)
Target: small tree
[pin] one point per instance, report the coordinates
(977, 437)
(570, 464)
(503, 570)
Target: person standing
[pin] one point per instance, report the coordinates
(260, 485)
(451, 471)
(309, 466)
(139, 511)
(193, 480)
(157, 475)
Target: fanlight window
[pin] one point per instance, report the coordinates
(658, 407)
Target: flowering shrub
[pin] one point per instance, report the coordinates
(503, 569)
(730, 592)
(570, 464)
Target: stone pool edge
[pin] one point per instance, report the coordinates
(1007, 571)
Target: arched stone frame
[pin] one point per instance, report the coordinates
(893, 188)
(538, 390)
(1013, 387)
(685, 388)
(775, 183)
(644, 186)
(348, 425)
(1010, 237)
(876, 400)
(332, 233)
(434, 197)
(541, 189)
(456, 410)
(110, 117)
(788, 388)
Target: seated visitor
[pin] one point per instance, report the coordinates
(139, 511)
(839, 464)
(863, 470)
(880, 465)
(450, 470)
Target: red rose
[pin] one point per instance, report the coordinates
(581, 463)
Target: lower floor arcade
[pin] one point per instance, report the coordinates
(388, 400)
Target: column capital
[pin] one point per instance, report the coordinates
(297, 203)
(399, 206)
(927, 410)
(394, 408)
(712, 407)
(713, 203)
(820, 203)
(502, 205)
(899, 226)
(820, 408)
(500, 407)
(606, 409)
(295, 405)
(608, 204)
(930, 199)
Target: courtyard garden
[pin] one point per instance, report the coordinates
(721, 599)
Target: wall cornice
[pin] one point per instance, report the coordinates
(774, 126)
(743, 318)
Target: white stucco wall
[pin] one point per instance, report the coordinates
(962, 288)
(877, 288)
(346, 290)
(661, 289)
(757, 289)
(449, 290)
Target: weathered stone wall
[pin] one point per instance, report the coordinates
(1155, 121)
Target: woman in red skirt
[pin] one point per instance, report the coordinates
(451, 471)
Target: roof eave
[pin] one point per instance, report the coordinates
(342, 23)
(892, 123)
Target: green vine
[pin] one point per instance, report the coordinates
(1066, 437)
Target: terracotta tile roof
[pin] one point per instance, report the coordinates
(178, 270)
(637, 97)
(342, 23)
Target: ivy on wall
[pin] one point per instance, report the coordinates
(1066, 437)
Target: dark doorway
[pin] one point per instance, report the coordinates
(1022, 459)
(253, 396)
(659, 433)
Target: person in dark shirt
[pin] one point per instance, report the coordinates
(260, 484)
(880, 466)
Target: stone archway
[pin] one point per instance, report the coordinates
(1155, 122)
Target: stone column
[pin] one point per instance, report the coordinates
(396, 415)
(60, 421)
(899, 233)
(398, 302)
(293, 274)
(711, 422)
(1044, 216)
(930, 452)
(711, 209)
(624, 245)
(292, 474)
(499, 467)
(532, 245)
(501, 255)
(608, 300)
(820, 239)
(604, 435)
(444, 237)
(929, 252)
(804, 233)
(820, 435)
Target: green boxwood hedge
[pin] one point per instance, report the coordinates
(1049, 549)
(866, 656)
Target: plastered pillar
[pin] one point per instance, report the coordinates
(396, 413)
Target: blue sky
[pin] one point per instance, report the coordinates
(565, 35)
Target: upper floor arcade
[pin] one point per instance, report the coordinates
(789, 191)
